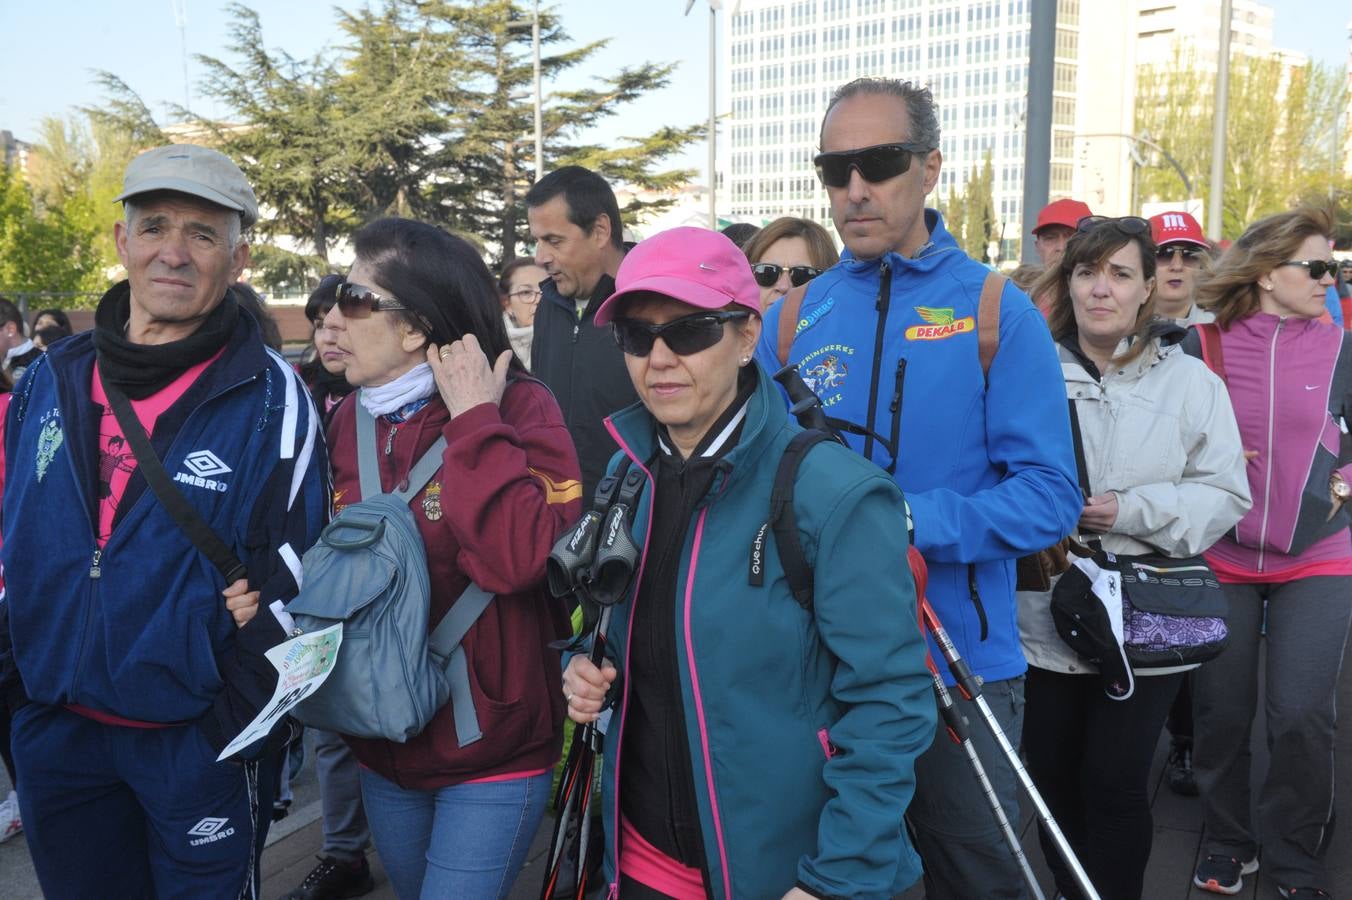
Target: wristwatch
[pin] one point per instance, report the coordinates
(1340, 489)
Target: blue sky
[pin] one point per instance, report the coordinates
(52, 47)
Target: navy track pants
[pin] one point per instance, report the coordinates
(112, 811)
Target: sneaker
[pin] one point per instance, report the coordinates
(333, 879)
(10, 823)
(1223, 874)
(1178, 770)
(1303, 893)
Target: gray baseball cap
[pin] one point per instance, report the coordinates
(197, 171)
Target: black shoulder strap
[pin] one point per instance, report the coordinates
(783, 521)
(170, 497)
(1081, 467)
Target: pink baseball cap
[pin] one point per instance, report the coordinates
(1176, 228)
(693, 265)
(1062, 212)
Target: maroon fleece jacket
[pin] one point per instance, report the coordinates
(508, 487)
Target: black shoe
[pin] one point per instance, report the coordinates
(1178, 770)
(333, 879)
(280, 809)
(1303, 893)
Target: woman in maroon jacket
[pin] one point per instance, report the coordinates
(423, 329)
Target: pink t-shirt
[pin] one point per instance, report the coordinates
(116, 461)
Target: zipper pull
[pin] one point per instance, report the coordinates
(577, 327)
(389, 440)
(884, 285)
(94, 571)
(896, 391)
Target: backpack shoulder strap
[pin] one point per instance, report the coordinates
(1209, 334)
(788, 321)
(368, 471)
(988, 321)
(784, 518)
(445, 644)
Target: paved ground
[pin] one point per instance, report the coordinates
(293, 842)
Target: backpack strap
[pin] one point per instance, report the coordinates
(988, 321)
(788, 321)
(1212, 355)
(784, 519)
(445, 645)
(369, 472)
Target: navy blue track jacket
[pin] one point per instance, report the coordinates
(139, 629)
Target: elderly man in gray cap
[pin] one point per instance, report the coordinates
(164, 474)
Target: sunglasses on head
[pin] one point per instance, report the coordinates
(1318, 267)
(1128, 225)
(1192, 256)
(768, 273)
(874, 164)
(683, 336)
(358, 300)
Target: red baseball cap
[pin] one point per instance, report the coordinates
(693, 265)
(1062, 212)
(1177, 228)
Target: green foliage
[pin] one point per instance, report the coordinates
(425, 111)
(970, 216)
(1280, 136)
(47, 250)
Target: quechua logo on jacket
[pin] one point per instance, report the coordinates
(940, 324)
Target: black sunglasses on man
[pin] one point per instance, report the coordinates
(874, 164)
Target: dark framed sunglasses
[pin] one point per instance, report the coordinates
(768, 273)
(1318, 268)
(874, 164)
(684, 336)
(1192, 256)
(1128, 225)
(358, 301)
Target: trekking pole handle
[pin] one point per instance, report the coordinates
(957, 666)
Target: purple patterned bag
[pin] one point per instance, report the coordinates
(1173, 610)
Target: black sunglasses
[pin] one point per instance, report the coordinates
(768, 273)
(359, 301)
(683, 336)
(874, 164)
(1318, 267)
(1192, 256)
(1128, 225)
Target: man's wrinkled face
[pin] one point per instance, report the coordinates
(179, 261)
(1050, 244)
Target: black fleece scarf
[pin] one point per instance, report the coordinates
(142, 369)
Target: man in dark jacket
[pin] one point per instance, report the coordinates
(129, 660)
(579, 241)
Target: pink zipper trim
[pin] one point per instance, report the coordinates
(628, 642)
(699, 705)
(825, 738)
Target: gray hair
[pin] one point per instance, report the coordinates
(234, 230)
(920, 108)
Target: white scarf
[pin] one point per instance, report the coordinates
(415, 384)
(19, 350)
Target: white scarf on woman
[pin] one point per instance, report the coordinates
(415, 384)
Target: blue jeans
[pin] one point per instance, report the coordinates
(468, 840)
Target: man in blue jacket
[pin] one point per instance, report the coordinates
(130, 661)
(888, 340)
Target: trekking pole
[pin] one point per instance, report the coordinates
(578, 775)
(956, 725)
(971, 690)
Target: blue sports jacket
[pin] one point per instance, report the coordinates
(139, 629)
(988, 469)
(803, 726)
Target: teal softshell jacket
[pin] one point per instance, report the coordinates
(803, 726)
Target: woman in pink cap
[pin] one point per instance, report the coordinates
(757, 747)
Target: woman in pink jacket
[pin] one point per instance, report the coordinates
(1287, 566)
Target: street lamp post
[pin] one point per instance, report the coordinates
(1143, 140)
(714, 7)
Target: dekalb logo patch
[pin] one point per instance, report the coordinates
(940, 324)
